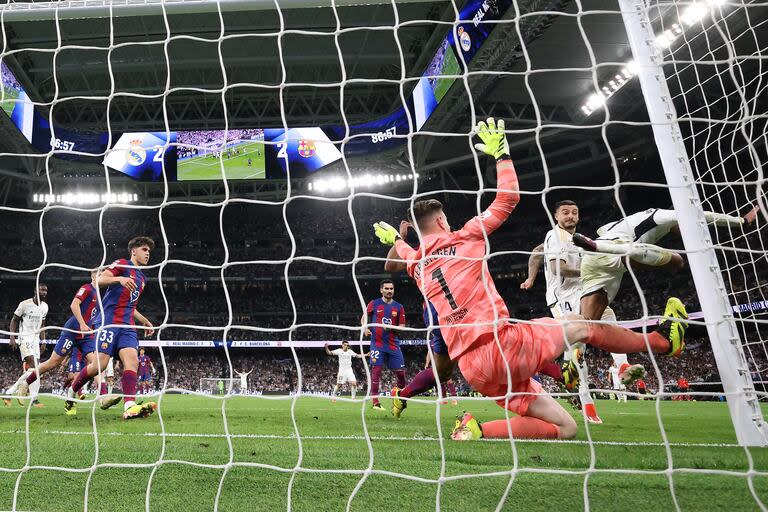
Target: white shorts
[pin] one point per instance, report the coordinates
(601, 272)
(570, 304)
(29, 347)
(345, 376)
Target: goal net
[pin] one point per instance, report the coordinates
(257, 143)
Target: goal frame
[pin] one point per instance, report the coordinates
(743, 404)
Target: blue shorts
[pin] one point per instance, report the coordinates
(75, 363)
(144, 377)
(68, 342)
(113, 339)
(392, 358)
(437, 344)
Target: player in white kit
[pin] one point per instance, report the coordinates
(616, 384)
(563, 274)
(28, 321)
(345, 375)
(243, 380)
(633, 238)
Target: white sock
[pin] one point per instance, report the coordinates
(354, 392)
(34, 388)
(15, 388)
(128, 405)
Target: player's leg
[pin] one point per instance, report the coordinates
(667, 339)
(377, 364)
(353, 388)
(425, 379)
(339, 381)
(128, 351)
(61, 350)
(396, 363)
(544, 419)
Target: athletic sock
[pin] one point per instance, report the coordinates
(103, 389)
(552, 370)
(31, 376)
(400, 376)
(81, 380)
(375, 379)
(451, 388)
(129, 387)
(612, 338)
(423, 381)
(522, 427)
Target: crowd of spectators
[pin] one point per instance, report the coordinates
(203, 141)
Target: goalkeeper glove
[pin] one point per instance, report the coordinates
(386, 233)
(494, 141)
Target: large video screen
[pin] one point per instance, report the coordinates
(15, 102)
(434, 84)
(203, 154)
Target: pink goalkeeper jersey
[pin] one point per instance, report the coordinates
(452, 273)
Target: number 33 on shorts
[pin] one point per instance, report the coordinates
(105, 338)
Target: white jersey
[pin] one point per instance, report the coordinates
(639, 227)
(558, 245)
(345, 358)
(243, 379)
(32, 316)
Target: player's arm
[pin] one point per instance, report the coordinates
(400, 322)
(327, 350)
(364, 320)
(43, 346)
(394, 263)
(534, 264)
(14, 328)
(75, 308)
(562, 269)
(112, 275)
(143, 321)
(494, 144)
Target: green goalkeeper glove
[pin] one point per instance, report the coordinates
(494, 141)
(386, 233)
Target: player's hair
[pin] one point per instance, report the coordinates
(564, 202)
(41, 284)
(345, 341)
(386, 281)
(423, 209)
(141, 241)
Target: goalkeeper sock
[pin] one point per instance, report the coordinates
(612, 338)
(423, 381)
(129, 386)
(522, 427)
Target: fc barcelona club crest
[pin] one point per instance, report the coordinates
(307, 148)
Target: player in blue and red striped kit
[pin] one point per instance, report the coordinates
(146, 370)
(383, 317)
(115, 325)
(76, 336)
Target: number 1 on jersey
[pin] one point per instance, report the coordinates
(438, 274)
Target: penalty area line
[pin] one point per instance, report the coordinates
(374, 438)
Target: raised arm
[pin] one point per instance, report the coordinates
(327, 351)
(394, 263)
(534, 264)
(494, 143)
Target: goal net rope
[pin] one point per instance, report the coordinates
(714, 58)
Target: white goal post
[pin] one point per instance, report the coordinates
(746, 414)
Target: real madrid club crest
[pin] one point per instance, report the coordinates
(464, 39)
(306, 148)
(135, 155)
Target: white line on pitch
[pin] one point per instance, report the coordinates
(375, 438)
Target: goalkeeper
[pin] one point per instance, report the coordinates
(499, 358)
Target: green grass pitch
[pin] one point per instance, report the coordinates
(236, 168)
(10, 94)
(700, 437)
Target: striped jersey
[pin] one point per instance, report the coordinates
(119, 303)
(381, 312)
